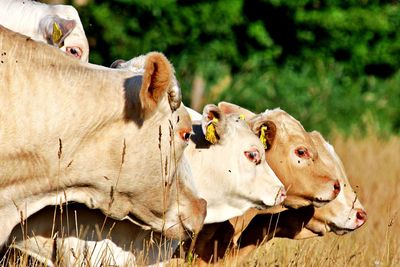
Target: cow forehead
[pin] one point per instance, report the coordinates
(287, 126)
(239, 128)
(181, 118)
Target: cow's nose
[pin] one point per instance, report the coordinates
(361, 216)
(336, 188)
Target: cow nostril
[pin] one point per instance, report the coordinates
(361, 215)
(283, 192)
(336, 187)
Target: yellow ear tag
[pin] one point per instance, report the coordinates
(263, 136)
(242, 117)
(211, 134)
(57, 33)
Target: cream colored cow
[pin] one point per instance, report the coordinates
(72, 131)
(57, 25)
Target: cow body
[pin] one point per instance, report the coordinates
(58, 25)
(71, 131)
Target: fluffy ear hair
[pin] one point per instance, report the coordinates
(56, 29)
(229, 108)
(264, 129)
(213, 123)
(118, 64)
(157, 78)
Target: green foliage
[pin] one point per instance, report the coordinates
(331, 64)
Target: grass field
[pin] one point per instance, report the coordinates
(373, 167)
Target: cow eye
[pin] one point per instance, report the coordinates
(302, 152)
(186, 136)
(74, 51)
(253, 156)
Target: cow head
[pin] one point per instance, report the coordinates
(171, 204)
(120, 143)
(292, 154)
(66, 34)
(229, 165)
(343, 214)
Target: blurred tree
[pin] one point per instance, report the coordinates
(329, 63)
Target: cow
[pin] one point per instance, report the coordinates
(57, 25)
(230, 187)
(294, 157)
(110, 139)
(342, 215)
(292, 154)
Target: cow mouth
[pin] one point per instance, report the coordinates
(260, 205)
(340, 230)
(317, 202)
(330, 227)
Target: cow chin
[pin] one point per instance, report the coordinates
(317, 227)
(340, 231)
(296, 202)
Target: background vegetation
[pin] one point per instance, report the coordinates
(332, 64)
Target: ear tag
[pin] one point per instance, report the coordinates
(242, 117)
(57, 33)
(211, 133)
(263, 136)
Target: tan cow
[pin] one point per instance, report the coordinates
(292, 154)
(231, 186)
(72, 131)
(57, 25)
(345, 213)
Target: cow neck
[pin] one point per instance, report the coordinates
(88, 98)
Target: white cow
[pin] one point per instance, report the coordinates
(72, 131)
(57, 25)
(231, 174)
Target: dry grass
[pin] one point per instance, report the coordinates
(373, 167)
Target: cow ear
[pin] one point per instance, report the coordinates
(265, 130)
(213, 123)
(229, 108)
(157, 79)
(118, 64)
(56, 29)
